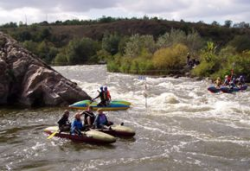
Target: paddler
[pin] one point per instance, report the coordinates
(102, 97)
(227, 80)
(89, 117)
(107, 95)
(240, 81)
(101, 120)
(64, 123)
(218, 82)
(77, 126)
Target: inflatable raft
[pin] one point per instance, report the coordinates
(213, 89)
(114, 105)
(91, 136)
(226, 89)
(119, 131)
(234, 89)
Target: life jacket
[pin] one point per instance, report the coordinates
(108, 95)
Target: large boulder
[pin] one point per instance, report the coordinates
(28, 81)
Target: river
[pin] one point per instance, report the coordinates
(179, 126)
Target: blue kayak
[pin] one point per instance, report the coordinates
(226, 89)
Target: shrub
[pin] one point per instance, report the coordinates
(137, 43)
(170, 58)
(79, 51)
(110, 43)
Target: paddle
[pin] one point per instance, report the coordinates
(53, 134)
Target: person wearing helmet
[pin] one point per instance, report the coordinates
(107, 95)
(218, 82)
(240, 81)
(101, 95)
(77, 126)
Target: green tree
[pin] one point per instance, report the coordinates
(170, 58)
(241, 43)
(171, 38)
(79, 51)
(194, 42)
(215, 23)
(31, 46)
(228, 23)
(210, 62)
(44, 34)
(110, 43)
(137, 44)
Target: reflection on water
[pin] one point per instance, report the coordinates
(184, 127)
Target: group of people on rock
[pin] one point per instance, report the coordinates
(105, 97)
(90, 120)
(230, 81)
(191, 63)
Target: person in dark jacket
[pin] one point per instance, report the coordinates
(89, 117)
(102, 96)
(64, 123)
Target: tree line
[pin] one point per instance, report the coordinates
(154, 46)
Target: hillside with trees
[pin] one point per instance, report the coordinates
(140, 46)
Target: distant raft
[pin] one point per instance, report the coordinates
(226, 89)
(91, 136)
(114, 105)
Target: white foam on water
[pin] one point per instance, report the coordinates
(178, 101)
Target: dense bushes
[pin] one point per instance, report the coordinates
(145, 55)
(46, 50)
(170, 58)
(218, 64)
(78, 51)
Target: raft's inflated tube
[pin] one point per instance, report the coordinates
(225, 89)
(91, 136)
(120, 131)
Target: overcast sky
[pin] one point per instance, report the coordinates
(188, 10)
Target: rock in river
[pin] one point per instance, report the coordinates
(27, 81)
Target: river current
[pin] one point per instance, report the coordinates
(179, 126)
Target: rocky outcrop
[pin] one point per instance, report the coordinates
(28, 81)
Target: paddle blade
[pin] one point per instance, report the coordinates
(52, 135)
